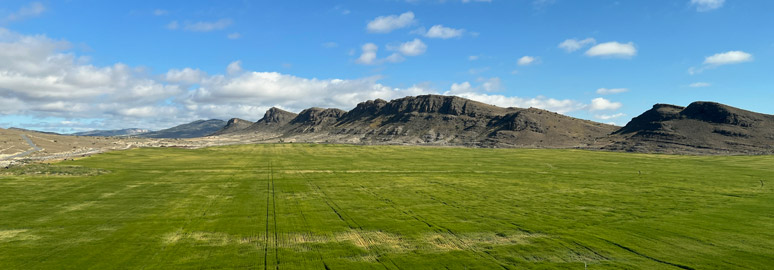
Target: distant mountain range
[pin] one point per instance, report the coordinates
(109, 133)
(700, 128)
(199, 128)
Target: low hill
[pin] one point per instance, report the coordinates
(110, 133)
(233, 125)
(429, 119)
(700, 128)
(199, 128)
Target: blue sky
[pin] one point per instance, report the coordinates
(76, 65)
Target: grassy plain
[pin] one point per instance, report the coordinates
(293, 206)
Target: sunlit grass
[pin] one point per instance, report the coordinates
(340, 206)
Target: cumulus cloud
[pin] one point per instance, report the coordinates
(386, 24)
(39, 78)
(608, 116)
(720, 59)
(234, 35)
(610, 91)
(440, 31)
(526, 60)
(700, 84)
(410, 48)
(47, 81)
(726, 58)
(707, 5)
(601, 104)
(613, 49)
(368, 55)
(234, 68)
(32, 10)
(571, 45)
(186, 75)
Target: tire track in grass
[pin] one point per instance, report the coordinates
(266, 234)
(193, 221)
(274, 211)
(439, 229)
(341, 214)
(58, 249)
(308, 227)
(646, 256)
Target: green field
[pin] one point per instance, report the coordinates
(292, 206)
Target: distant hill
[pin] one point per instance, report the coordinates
(700, 128)
(233, 125)
(428, 119)
(110, 133)
(199, 128)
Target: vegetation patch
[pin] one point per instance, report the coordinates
(299, 206)
(45, 169)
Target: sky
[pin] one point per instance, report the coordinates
(77, 65)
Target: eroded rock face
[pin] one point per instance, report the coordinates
(278, 116)
(721, 114)
(652, 119)
(701, 128)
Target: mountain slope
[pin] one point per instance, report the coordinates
(700, 128)
(199, 128)
(233, 125)
(429, 119)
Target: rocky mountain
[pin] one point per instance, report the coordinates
(428, 119)
(700, 128)
(110, 133)
(233, 125)
(199, 128)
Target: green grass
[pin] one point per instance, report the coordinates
(293, 206)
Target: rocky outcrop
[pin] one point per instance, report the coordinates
(233, 125)
(700, 128)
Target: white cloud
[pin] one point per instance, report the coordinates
(47, 81)
(386, 24)
(571, 45)
(610, 91)
(234, 35)
(491, 84)
(556, 105)
(160, 12)
(720, 59)
(203, 26)
(395, 58)
(468, 1)
(186, 75)
(410, 48)
(726, 58)
(330, 44)
(39, 78)
(234, 68)
(601, 104)
(173, 25)
(700, 84)
(473, 57)
(32, 10)
(526, 60)
(608, 116)
(707, 5)
(439, 31)
(368, 55)
(613, 49)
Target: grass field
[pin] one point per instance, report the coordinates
(292, 206)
